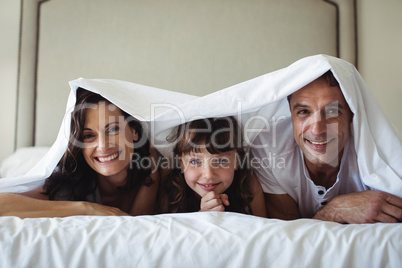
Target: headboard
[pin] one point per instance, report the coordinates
(191, 46)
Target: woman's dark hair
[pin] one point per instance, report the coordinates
(216, 135)
(73, 178)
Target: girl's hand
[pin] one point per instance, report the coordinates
(214, 202)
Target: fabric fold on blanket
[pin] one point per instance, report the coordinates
(200, 239)
(258, 104)
(261, 102)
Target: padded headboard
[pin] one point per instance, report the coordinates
(191, 46)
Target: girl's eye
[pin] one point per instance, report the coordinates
(220, 161)
(195, 161)
(223, 161)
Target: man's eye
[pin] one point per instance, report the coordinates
(303, 112)
(332, 113)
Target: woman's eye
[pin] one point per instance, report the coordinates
(86, 137)
(113, 129)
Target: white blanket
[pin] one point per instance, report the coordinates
(378, 147)
(202, 239)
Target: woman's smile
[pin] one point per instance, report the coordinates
(108, 139)
(108, 158)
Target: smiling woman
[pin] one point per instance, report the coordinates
(107, 141)
(96, 167)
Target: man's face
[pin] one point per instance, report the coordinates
(321, 122)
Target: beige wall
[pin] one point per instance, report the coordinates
(380, 53)
(195, 47)
(9, 32)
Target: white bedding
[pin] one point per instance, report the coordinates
(203, 239)
(255, 102)
(215, 239)
(21, 161)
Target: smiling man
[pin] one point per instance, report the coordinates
(321, 121)
(320, 178)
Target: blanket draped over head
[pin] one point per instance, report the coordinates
(254, 102)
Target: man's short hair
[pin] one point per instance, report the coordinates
(331, 80)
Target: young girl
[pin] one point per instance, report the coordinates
(211, 172)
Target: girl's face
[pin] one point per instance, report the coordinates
(205, 172)
(108, 141)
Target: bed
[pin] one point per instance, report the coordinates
(202, 239)
(181, 46)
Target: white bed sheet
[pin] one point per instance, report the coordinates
(202, 239)
(21, 161)
(378, 147)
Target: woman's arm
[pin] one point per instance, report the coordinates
(258, 203)
(33, 204)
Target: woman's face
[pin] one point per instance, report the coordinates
(108, 140)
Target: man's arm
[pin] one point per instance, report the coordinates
(281, 206)
(362, 207)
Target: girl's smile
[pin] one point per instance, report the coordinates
(205, 172)
(208, 187)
